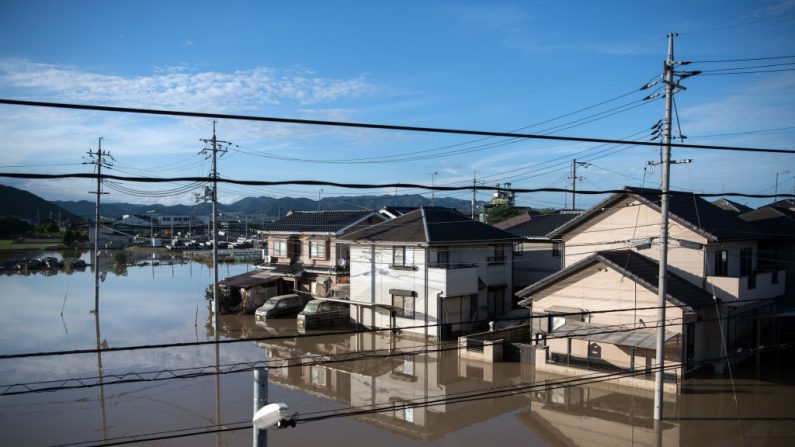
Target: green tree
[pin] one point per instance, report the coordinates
(68, 238)
(11, 226)
(498, 213)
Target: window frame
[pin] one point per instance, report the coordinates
(318, 249)
(399, 305)
(721, 263)
(403, 257)
(496, 254)
(279, 248)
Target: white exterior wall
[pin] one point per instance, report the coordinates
(372, 277)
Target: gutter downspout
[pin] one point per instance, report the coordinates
(427, 259)
(372, 285)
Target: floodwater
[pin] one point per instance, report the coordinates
(422, 392)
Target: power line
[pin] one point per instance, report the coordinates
(365, 125)
(740, 73)
(358, 185)
(740, 60)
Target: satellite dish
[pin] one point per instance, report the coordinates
(342, 262)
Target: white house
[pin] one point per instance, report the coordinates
(432, 271)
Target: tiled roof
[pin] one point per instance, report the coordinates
(685, 208)
(540, 225)
(639, 268)
(318, 221)
(731, 205)
(776, 219)
(432, 226)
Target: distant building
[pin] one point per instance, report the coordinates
(304, 251)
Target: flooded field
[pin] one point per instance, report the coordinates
(346, 388)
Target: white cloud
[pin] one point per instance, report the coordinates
(241, 90)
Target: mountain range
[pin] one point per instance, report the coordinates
(25, 205)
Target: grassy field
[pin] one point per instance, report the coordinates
(8, 244)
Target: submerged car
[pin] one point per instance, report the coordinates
(282, 306)
(323, 313)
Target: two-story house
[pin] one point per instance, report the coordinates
(716, 290)
(303, 249)
(538, 255)
(432, 271)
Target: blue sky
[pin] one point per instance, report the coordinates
(495, 66)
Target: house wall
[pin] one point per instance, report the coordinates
(372, 276)
(629, 219)
(600, 288)
(535, 261)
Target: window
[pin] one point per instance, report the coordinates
(279, 248)
(318, 375)
(496, 254)
(746, 261)
(556, 249)
(443, 256)
(402, 256)
(317, 249)
(496, 302)
(518, 249)
(721, 263)
(404, 305)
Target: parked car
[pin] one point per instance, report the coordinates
(323, 313)
(282, 306)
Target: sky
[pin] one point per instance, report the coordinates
(543, 67)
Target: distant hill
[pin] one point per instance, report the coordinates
(16, 202)
(24, 205)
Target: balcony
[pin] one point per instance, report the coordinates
(454, 280)
(758, 285)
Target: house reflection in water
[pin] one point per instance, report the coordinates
(409, 382)
(600, 414)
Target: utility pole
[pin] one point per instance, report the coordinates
(98, 159)
(574, 179)
(776, 187)
(474, 193)
(217, 146)
(433, 192)
(668, 79)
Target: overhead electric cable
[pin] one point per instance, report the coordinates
(361, 125)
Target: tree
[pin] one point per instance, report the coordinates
(498, 213)
(68, 238)
(11, 227)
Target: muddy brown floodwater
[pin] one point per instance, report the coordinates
(403, 391)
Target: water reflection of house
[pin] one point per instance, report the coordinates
(303, 249)
(399, 377)
(596, 415)
(610, 265)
